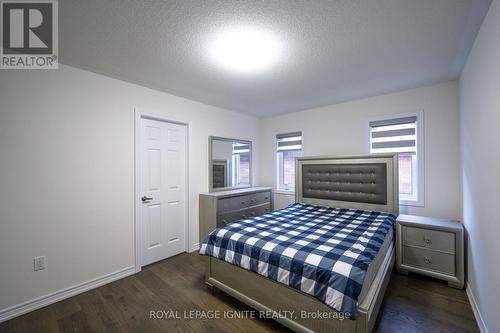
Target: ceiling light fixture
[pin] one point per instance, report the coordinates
(245, 49)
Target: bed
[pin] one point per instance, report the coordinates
(343, 221)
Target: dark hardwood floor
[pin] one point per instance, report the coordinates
(412, 304)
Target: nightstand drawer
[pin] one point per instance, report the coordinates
(431, 239)
(429, 260)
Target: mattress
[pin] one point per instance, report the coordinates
(324, 252)
(373, 268)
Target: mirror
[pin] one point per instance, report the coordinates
(230, 163)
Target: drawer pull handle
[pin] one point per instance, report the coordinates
(428, 260)
(252, 200)
(243, 202)
(427, 240)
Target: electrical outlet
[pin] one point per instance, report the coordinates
(39, 263)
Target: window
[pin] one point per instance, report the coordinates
(402, 135)
(241, 163)
(288, 147)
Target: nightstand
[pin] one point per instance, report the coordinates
(431, 246)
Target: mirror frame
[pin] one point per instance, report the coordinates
(210, 164)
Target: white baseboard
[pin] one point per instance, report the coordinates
(196, 247)
(17, 310)
(475, 309)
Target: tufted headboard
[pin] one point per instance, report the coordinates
(367, 182)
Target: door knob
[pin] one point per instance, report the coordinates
(146, 199)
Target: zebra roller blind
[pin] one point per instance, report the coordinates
(240, 148)
(394, 135)
(289, 141)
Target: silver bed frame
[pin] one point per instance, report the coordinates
(269, 296)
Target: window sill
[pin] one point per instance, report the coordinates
(287, 192)
(411, 203)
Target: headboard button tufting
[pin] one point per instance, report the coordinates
(346, 182)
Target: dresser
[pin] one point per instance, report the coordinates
(431, 246)
(219, 208)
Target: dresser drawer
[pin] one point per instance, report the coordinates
(429, 260)
(231, 217)
(431, 239)
(258, 210)
(243, 201)
(234, 203)
(222, 207)
(242, 214)
(259, 198)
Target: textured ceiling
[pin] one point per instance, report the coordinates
(334, 50)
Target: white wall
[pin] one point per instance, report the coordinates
(343, 129)
(67, 173)
(480, 157)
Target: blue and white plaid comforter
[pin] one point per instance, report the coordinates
(324, 252)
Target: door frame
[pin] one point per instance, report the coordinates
(138, 115)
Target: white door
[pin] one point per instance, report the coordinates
(163, 189)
